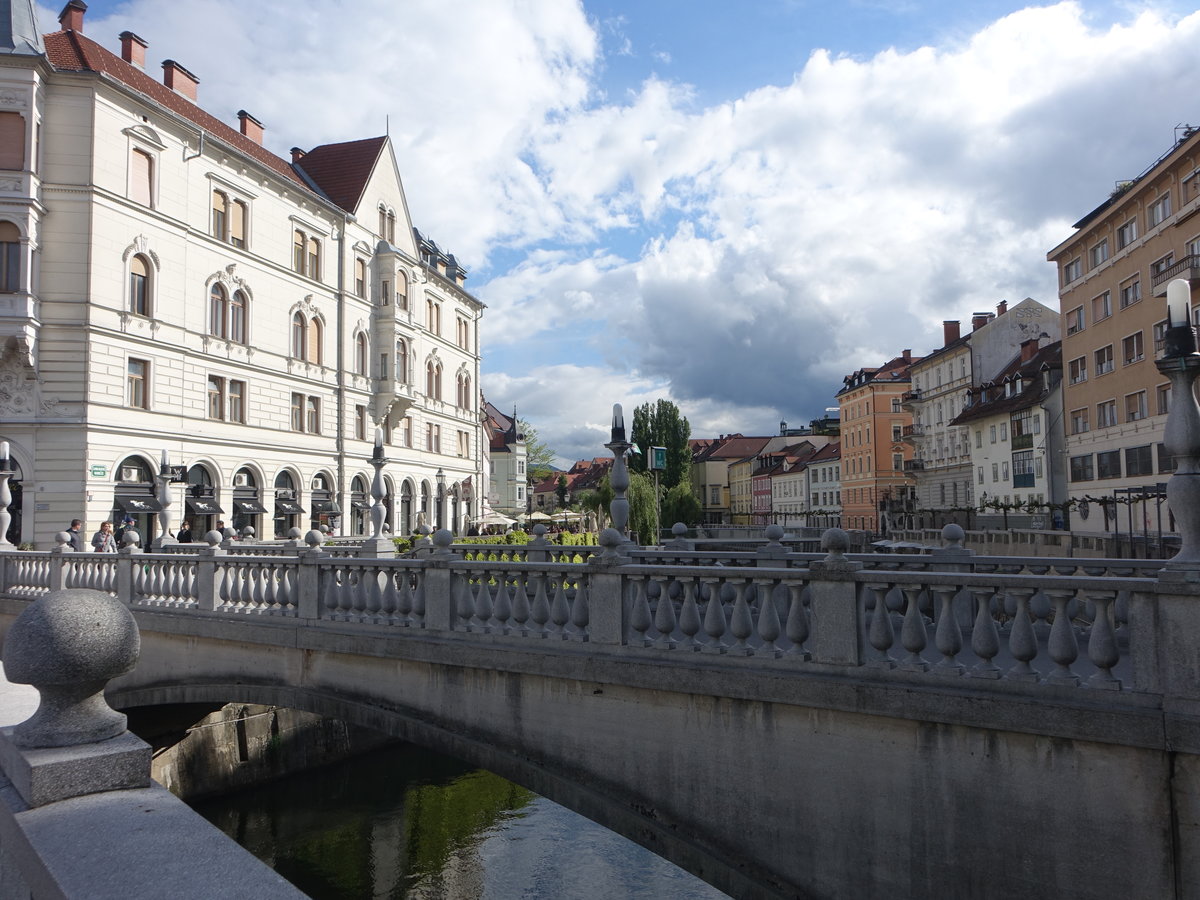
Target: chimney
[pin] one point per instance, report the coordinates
(907, 354)
(1001, 308)
(133, 49)
(297, 155)
(979, 319)
(179, 79)
(71, 17)
(1029, 349)
(251, 127)
(950, 332)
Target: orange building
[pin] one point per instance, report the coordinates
(875, 487)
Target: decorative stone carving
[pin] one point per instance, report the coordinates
(10, 184)
(141, 245)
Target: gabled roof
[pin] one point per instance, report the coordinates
(832, 450)
(1032, 391)
(343, 170)
(72, 51)
(733, 449)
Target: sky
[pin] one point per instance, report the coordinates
(732, 206)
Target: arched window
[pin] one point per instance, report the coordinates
(382, 222)
(391, 227)
(361, 355)
(464, 391)
(402, 361)
(10, 258)
(315, 341)
(237, 317)
(433, 380)
(299, 335)
(139, 286)
(401, 291)
(220, 215)
(218, 312)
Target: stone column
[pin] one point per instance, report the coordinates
(836, 630)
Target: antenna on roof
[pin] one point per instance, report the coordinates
(387, 125)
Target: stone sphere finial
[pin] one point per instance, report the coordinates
(443, 538)
(212, 538)
(294, 534)
(954, 536)
(228, 534)
(131, 538)
(423, 530)
(63, 540)
(835, 542)
(679, 530)
(68, 644)
(248, 532)
(774, 532)
(314, 539)
(610, 539)
(539, 530)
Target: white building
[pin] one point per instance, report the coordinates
(171, 286)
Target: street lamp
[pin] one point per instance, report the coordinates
(441, 497)
(1181, 364)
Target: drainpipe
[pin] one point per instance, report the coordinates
(341, 242)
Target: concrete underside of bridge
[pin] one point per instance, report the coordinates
(761, 779)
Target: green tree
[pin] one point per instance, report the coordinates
(680, 505)
(643, 508)
(561, 490)
(660, 424)
(539, 458)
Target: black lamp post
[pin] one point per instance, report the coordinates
(441, 498)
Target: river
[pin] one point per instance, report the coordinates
(402, 822)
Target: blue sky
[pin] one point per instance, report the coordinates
(730, 205)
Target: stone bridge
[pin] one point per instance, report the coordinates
(779, 723)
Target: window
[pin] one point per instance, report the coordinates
(1163, 398)
(1081, 468)
(391, 227)
(1127, 234)
(1104, 360)
(464, 443)
(1131, 349)
(216, 397)
(220, 215)
(313, 267)
(402, 361)
(362, 358)
(360, 278)
(141, 177)
(315, 343)
(139, 283)
(995, 472)
(406, 431)
(1004, 431)
(360, 423)
(897, 462)
(299, 331)
(1108, 464)
(306, 254)
(1072, 270)
(1099, 253)
(1159, 210)
(433, 438)
(237, 401)
(1106, 414)
(433, 316)
(1160, 337)
(1161, 265)
(1077, 369)
(433, 380)
(383, 367)
(385, 292)
(1022, 469)
(978, 437)
(1004, 471)
(218, 312)
(137, 384)
(1075, 321)
(238, 215)
(463, 393)
(1024, 424)
(401, 291)
(992, 433)
(1102, 307)
(312, 421)
(1166, 462)
(10, 258)
(1139, 461)
(1079, 421)
(897, 431)
(462, 333)
(307, 338)
(1135, 406)
(980, 475)
(895, 404)
(297, 412)
(1131, 292)
(12, 141)
(237, 317)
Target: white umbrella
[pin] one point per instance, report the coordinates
(540, 517)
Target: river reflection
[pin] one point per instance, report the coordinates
(402, 822)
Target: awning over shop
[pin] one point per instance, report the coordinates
(141, 503)
(326, 508)
(288, 508)
(250, 507)
(203, 507)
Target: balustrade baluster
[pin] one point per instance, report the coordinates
(1102, 643)
(797, 622)
(1062, 645)
(639, 612)
(560, 610)
(520, 606)
(1022, 642)
(464, 603)
(580, 616)
(483, 607)
(387, 599)
(285, 590)
(741, 623)
(689, 615)
(502, 608)
(361, 598)
(418, 613)
(328, 594)
(664, 618)
(715, 624)
(913, 636)
(175, 584)
(985, 641)
(768, 620)
(404, 599)
(541, 608)
(948, 635)
(880, 635)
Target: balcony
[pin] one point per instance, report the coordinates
(915, 430)
(910, 397)
(1188, 267)
(914, 465)
(1022, 441)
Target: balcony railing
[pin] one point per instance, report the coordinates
(915, 430)
(1187, 267)
(914, 465)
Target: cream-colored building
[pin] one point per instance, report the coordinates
(172, 287)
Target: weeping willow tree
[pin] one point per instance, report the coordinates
(643, 508)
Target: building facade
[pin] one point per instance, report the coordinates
(1113, 272)
(188, 318)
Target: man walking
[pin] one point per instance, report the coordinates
(75, 536)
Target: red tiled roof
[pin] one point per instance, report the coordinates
(72, 51)
(342, 170)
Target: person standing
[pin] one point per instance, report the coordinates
(74, 535)
(104, 541)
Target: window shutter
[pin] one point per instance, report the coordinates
(12, 141)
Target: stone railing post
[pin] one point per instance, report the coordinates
(62, 546)
(538, 550)
(308, 576)
(772, 554)
(679, 539)
(607, 615)
(208, 588)
(127, 560)
(836, 630)
(952, 556)
(439, 583)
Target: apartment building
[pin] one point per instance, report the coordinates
(1113, 271)
(188, 319)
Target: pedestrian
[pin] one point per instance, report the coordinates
(104, 541)
(184, 535)
(74, 537)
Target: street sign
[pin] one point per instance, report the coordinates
(658, 459)
(177, 474)
(98, 471)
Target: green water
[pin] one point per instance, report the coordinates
(407, 823)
